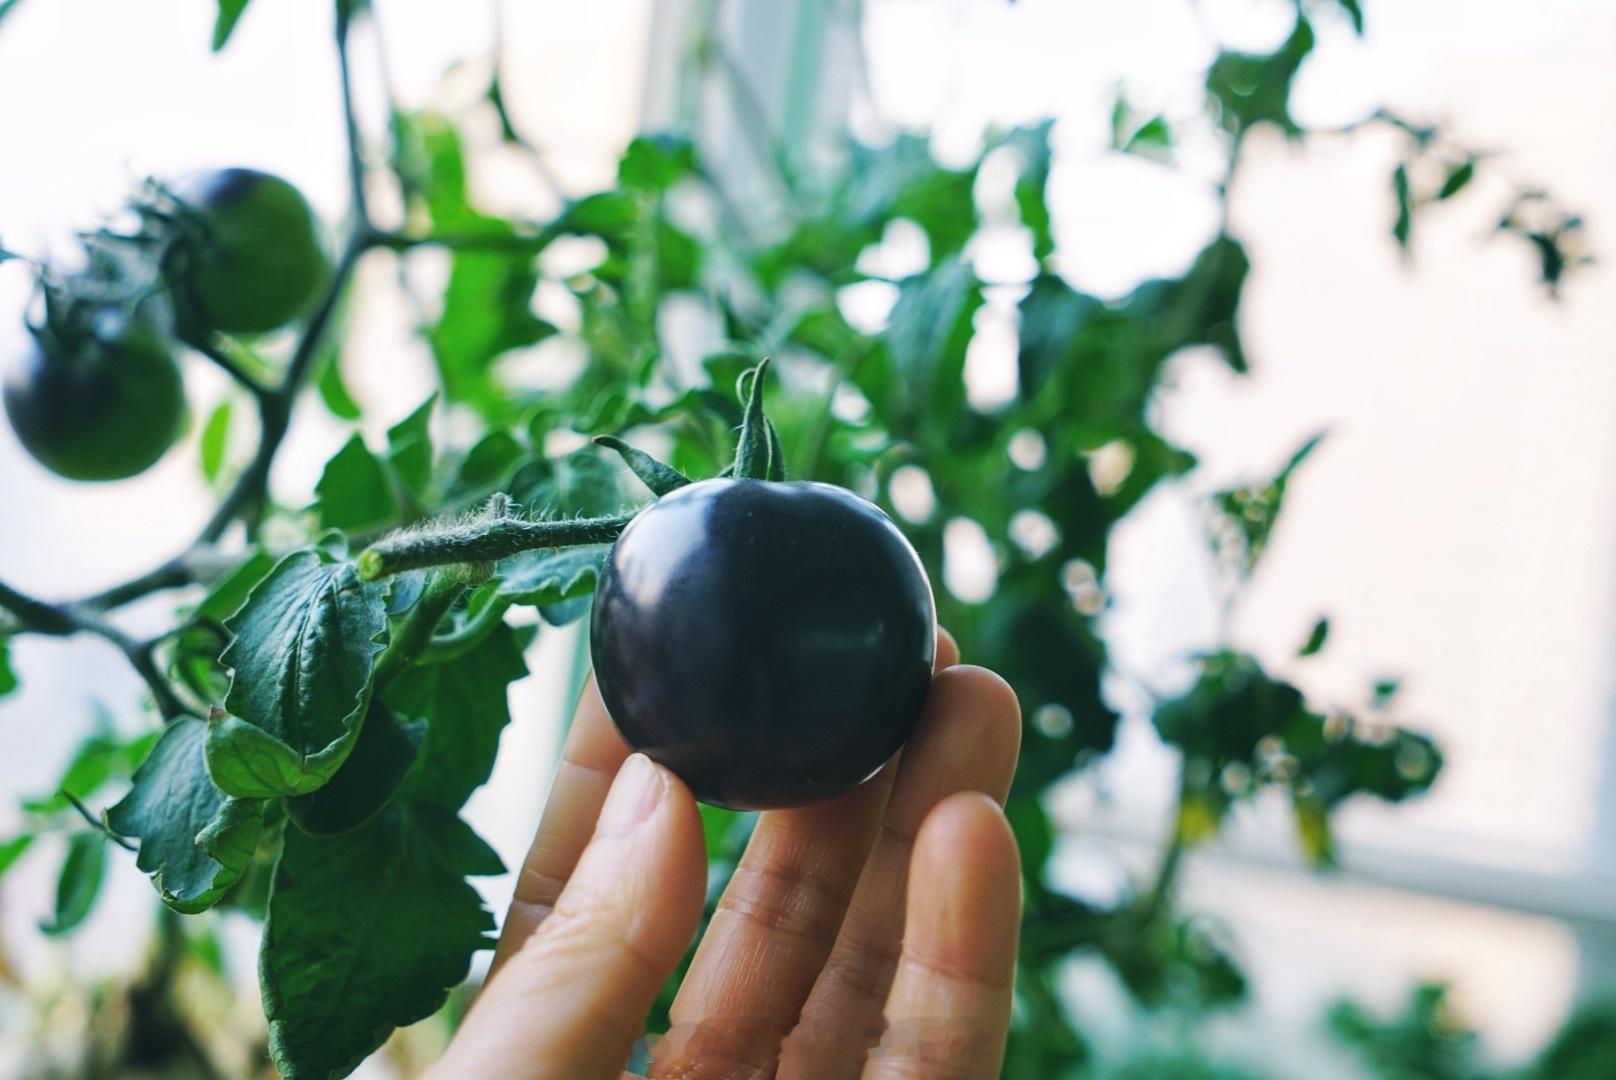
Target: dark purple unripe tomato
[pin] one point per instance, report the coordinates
(771, 643)
(104, 406)
(255, 260)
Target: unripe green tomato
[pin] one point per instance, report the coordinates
(257, 262)
(103, 407)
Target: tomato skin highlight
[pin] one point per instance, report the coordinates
(104, 409)
(259, 261)
(770, 643)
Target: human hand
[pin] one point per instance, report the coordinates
(904, 892)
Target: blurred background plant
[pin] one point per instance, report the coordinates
(941, 348)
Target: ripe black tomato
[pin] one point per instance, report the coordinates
(255, 261)
(105, 406)
(771, 643)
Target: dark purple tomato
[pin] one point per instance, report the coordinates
(104, 407)
(771, 643)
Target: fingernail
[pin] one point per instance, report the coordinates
(635, 793)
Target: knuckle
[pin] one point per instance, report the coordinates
(865, 967)
(590, 935)
(537, 888)
(785, 898)
(935, 967)
(716, 1050)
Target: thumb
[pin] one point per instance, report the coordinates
(570, 1002)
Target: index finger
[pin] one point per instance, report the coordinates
(590, 759)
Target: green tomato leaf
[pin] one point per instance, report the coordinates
(333, 391)
(541, 578)
(1252, 511)
(367, 932)
(1315, 640)
(582, 484)
(195, 655)
(464, 704)
(1403, 225)
(931, 326)
(487, 312)
(1354, 10)
(79, 882)
(11, 850)
(304, 648)
(678, 257)
(228, 593)
(488, 304)
(409, 448)
(486, 466)
(1255, 89)
(656, 162)
(215, 437)
(1457, 180)
(610, 215)
(354, 491)
(194, 840)
(386, 749)
(8, 677)
(1031, 145)
(230, 12)
(903, 180)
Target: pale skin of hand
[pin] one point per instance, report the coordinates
(870, 936)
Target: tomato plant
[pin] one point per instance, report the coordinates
(333, 687)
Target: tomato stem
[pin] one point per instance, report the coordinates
(487, 540)
(415, 633)
(64, 620)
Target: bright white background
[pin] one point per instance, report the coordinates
(1456, 524)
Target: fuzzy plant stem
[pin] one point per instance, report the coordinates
(482, 542)
(415, 634)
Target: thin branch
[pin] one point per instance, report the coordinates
(507, 127)
(64, 620)
(217, 353)
(515, 243)
(95, 823)
(36, 615)
(171, 575)
(356, 165)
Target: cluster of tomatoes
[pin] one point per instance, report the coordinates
(97, 395)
